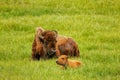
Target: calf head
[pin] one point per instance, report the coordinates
(63, 60)
(48, 38)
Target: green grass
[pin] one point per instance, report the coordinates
(94, 25)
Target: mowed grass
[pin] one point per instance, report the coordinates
(93, 24)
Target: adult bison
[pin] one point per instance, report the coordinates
(44, 44)
(48, 44)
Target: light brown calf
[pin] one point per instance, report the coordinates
(65, 62)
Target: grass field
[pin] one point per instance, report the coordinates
(94, 25)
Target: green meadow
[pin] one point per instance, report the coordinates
(93, 24)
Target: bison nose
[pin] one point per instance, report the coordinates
(56, 61)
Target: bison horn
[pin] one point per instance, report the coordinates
(41, 37)
(55, 32)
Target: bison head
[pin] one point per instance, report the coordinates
(48, 39)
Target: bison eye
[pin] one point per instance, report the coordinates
(45, 42)
(62, 58)
(49, 40)
(55, 40)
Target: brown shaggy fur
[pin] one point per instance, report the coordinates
(42, 48)
(65, 62)
(44, 44)
(66, 46)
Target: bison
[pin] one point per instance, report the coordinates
(44, 44)
(48, 44)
